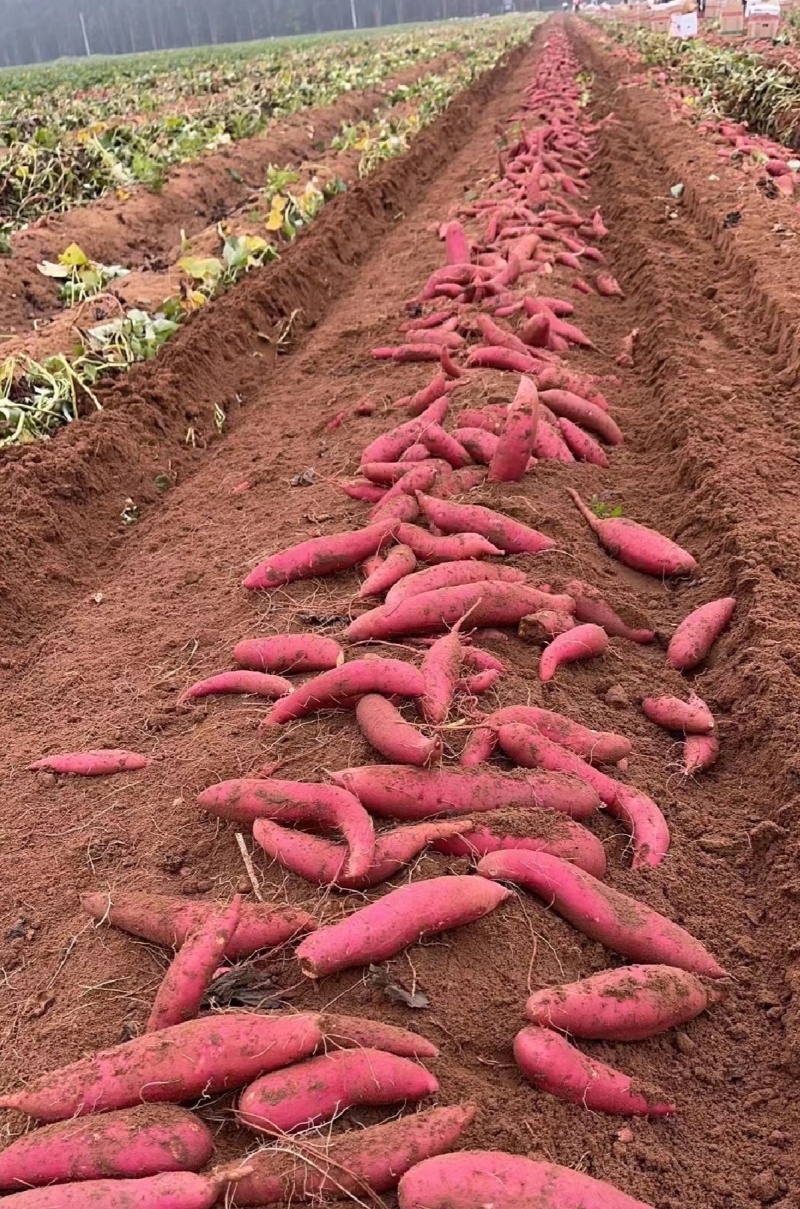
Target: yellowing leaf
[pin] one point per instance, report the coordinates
(201, 268)
(73, 257)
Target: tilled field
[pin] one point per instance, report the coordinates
(104, 630)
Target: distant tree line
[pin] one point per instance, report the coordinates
(37, 31)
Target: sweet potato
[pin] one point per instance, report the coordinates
(630, 1003)
(474, 1179)
(320, 556)
(452, 548)
(479, 443)
(423, 324)
(385, 728)
(399, 792)
(437, 389)
(580, 444)
(167, 920)
(532, 830)
(615, 920)
(475, 657)
(544, 625)
(386, 474)
(353, 1032)
(504, 359)
(608, 285)
(256, 684)
(134, 1143)
(591, 606)
(400, 561)
(192, 968)
(442, 445)
(699, 753)
(200, 1058)
(549, 445)
(479, 682)
(625, 355)
(361, 489)
(169, 1190)
(450, 575)
(495, 335)
(693, 717)
(581, 411)
(400, 507)
(597, 746)
(389, 446)
(456, 244)
(556, 377)
(509, 535)
(289, 653)
(322, 862)
(492, 603)
(558, 1068)
(580, 642)
(406, 354)
(515, 444)
(415, 453)
(635, 545)
(351, 1164)
(698, 632)
(529, 748)
(101, 763)
(315, 1091)
(441, 668)
(399, 919)
(323, 806)
(340, 687)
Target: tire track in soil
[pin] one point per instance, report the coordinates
(172, 610)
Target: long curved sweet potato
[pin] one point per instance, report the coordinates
(351, 1164)
(257, 684)
(168, 920)
(202, 1057)
(515, 443)
(189, 973)
(596, 746)
(630, 1003)
(580, 642)
(473, 1179)
(320, 556)
(615, 920)
(399, 792)
(169, 1190)
(100, 763)
(355, 1032)
(591, 606)
(503, 531)
(389, 445)
(581, 411)
(289, 653)
(342, 687)
(635, 545)
(450, 548)
(441, 670)
(314, 1091)
(698, 632)
(400, 561)
(132, 1144)
(532, 830)
(558, 1068)
(322, 806)
(385, 728)
(450, 575)
(399, 919)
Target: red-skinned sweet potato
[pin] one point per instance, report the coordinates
(399, 561)
(693, 717)
(450, 575)
(342, 686)
(540, 831)
(101, 763)
(289, 653)
(382, 725)
(596, 746)
(700, 752)
(590, 606)
(320, 556)
(451, 548)
(503, 531)
(192, 968)
(257, 684)
(697, 633)
(515, 444)
(635, 545)
(581, 642)
(169, 1190)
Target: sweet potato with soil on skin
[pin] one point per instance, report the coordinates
(485, 418)
(314, 1092)
(385, 729)
(608, 286)
(510, 535)
(400, 561)
(456, 243)
(544, 625)
(453, 547)
(700, 752)
(441, 669)
(436, 319)
(400, 507)
(532, 830)
(192, 968)
(442, 445)
(631, 1003)
(550, 445)
(498, 337)
(475, 1179)
(625, 355)
(320, 556)
(529, 748)
(483, 661)
(480, 443)
(341, 686)
(491, 603)
(399, 792)
(103, 762)
(479, 682)
(405, 354)
(554, 1066)
(361, 489)
(386, 474)
(353, 1032)
(615, 920)
(698, 632)
(504, 359)
(351, 1164)
(324, 806)
(200, 1058)
(399, 919)
(515, 444)
(581, 642)
(590, 606)
(693, 717)
(416, 476)
(168, 920)
(168, 1190)
(635, 545)
(415, 453)
(132, 1144)
(597, 746)
(389, 445)
(581, 411)
(429, 395)
(289, 653)
(581, 444)
(584, 385)
(322, 862)
(255, 684)
(451, 575)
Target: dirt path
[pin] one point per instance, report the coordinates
(709, 458)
